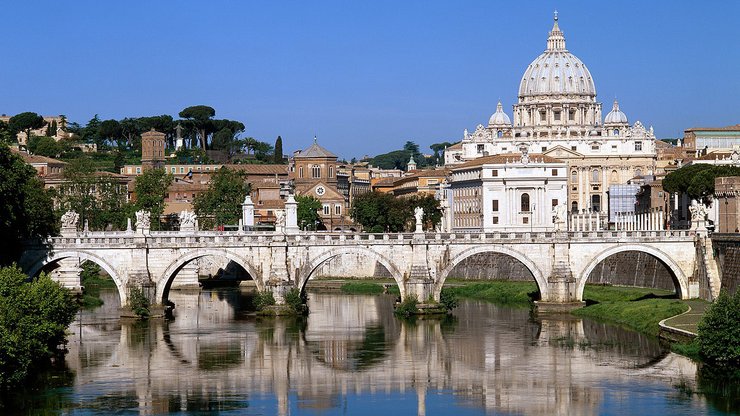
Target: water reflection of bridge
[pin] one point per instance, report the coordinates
(505, 361)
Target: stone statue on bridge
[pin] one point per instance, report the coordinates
(698, 215)
(419, 215)
(188, 221)
(560, 213)
(143, 223)
(279, 220)
(70, 219)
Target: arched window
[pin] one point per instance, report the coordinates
(315, 171)
(525, 203)
(614, 177)
(595, 176)
(616, 132)
(499, 134)
(574, 176)
(595, 203)
(638, 173)
(574, 207)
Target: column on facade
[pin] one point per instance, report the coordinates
(604, 188)
(581, 189)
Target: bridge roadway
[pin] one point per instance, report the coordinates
(419, 262)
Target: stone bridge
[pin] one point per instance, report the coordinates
(560, 262)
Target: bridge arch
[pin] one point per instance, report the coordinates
(680, 280)
(83, 256)
(537, 273)
(316, 262)
(165, 280)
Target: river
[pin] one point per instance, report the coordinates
(352, 356)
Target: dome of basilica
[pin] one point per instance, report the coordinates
(499, 118)
(557, 71)
(616, 116)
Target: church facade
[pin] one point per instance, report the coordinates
(557, 115)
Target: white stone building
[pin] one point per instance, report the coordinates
(557, 115)
(507, 192)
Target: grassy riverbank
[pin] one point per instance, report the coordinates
(636, 308)
(640, 309)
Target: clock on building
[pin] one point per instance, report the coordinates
(320, 190)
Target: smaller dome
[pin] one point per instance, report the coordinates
(499, 118)
(616, 116)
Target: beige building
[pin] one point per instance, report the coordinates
(699, 141)
(557, 115)
(61, 125)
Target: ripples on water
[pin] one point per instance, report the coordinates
(352, 356)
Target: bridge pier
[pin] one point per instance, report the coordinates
(68, 274)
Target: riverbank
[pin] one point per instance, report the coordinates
(640, 309)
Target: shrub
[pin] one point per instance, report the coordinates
(263, 299)
(408, 306)
(139, 303)
(296, 300)
(33, 319)
(448, 299)
(719, 332)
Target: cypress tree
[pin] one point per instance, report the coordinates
(278, 150)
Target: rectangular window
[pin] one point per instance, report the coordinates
(638, 146)
(495, 205)
(494, 172)
(544, 149)
(525, 220)
(573, 148)
(337, 209)
(572, 115)
(182, 169)
(495, 220)
(480, 148)
(172, 170)
(331, 171)
(326, 209)
(542, 116)
(554, 172)
(504, 149)
(554, 202)
(300, 172)
(138, 170)
(595, 146)
(556, 115)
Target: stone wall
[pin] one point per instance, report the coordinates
(632, 268)
(727, 254)
(351, 266)
(491, 266)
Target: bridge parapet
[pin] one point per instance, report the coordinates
(229, 238)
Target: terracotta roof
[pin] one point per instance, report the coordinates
(271, 204)
(315, 151)
(384, 181)
(456, 146)
(28, 158)
(661, 143)
(506, 157)
(253, 169)
(99, 173)
(735, 127)
(715, 155)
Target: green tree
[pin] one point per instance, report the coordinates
(200, 116)
(33, 319)
(52, 129)
(98, 197)
(44, 146)
(719, 332)
(26, 208)
(151, 189)
(697, 180)
(381, 212)
(308, 212)
(25, 122)
(432, 210)
(438, 149)
(6, 135)
(110, 131)
(278, 150)
(221, 203)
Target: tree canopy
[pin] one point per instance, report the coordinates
(26, 122)
(382, 212)
(33, 319)
(399, 159)
(151, 189)
(221, 203)
(308, 212)
(200, 116)
(26, 208)
(697, 180)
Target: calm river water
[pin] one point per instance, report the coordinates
(351, 356)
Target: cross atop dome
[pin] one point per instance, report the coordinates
(556, 39)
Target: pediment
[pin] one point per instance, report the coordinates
(560, 152)
(329, 193)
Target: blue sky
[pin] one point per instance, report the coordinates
(363, 76)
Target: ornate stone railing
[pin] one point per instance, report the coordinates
(176, 238)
